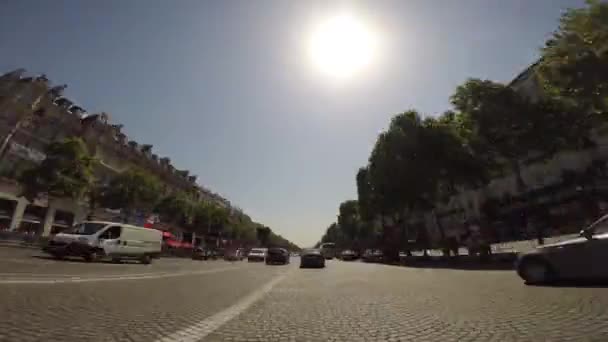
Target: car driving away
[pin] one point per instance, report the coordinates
(234, 255)
(256, 255)
(348, 255)
(580, 258)
(312, 258)
(277, 256)
(201, 253)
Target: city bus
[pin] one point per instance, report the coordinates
(328, 250)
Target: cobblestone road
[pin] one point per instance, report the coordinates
(180, 300)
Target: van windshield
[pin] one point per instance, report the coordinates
(86, 228)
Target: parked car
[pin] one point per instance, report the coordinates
(348, 255)
(93, 240)
(201, 253)
(234, 255)
(373, 255)
(277, 256)
(256, 254)
(578, 258)
(312, 258)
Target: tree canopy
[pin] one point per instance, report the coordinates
(67, 171)
(574, 63)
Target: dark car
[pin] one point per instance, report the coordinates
(578, 258)
(374, 255)
(277, 256)
(312, 258)
(348, 255)
(200, 253)
(235, 255)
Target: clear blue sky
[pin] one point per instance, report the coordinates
(225, 88)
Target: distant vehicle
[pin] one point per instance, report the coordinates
(256, 254)
(93, 240)
(372, 255)
(277, 256)
(201, 253)
(348, 255)
(235, 255)
(328, 250)
(312, 258)
(579, 258)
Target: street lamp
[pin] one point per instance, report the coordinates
(35, 110)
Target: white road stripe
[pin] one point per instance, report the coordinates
(85, 279)
(205, 327)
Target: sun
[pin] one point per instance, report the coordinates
(342, 46)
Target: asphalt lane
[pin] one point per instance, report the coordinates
(183, 300)
(367, 302)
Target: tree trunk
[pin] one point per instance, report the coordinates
(521, 185)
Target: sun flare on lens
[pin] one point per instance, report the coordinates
(342, 46)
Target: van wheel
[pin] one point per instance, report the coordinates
(146, 260)
(92, 256)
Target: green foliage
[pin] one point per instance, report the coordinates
(130, 190)
(574, 64)
(504, 128)
(349, 220)
(176, 208)
(67, 171)
(263, 235)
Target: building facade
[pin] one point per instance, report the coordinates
(22, 98)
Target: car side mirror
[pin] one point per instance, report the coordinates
(587, 234)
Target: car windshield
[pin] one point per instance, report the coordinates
(600, 226)
(86, 228)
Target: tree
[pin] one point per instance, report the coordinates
(365, 200)
(130, 191)
(176, 208)
(574, 63)
(263, 235)
(212, 217)
(67, 171)
(504, 129)
(349, 221)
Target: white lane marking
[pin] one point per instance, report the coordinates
(205, 327)
(77, 279)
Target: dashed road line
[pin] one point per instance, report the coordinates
(205, 327)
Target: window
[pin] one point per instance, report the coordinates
(86, 228)
(111, 233)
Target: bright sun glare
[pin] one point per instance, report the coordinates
(342, 46)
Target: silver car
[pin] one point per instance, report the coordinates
(579, 258)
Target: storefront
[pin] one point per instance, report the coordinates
(32, 222)
(7, 210)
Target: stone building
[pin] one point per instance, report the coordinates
(21, 99)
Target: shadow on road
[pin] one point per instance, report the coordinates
(461, 265)
(577, 283)
(82, 261)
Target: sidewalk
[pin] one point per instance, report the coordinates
(507, 247)
(15, 239)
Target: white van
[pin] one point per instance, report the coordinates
(93, 240)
